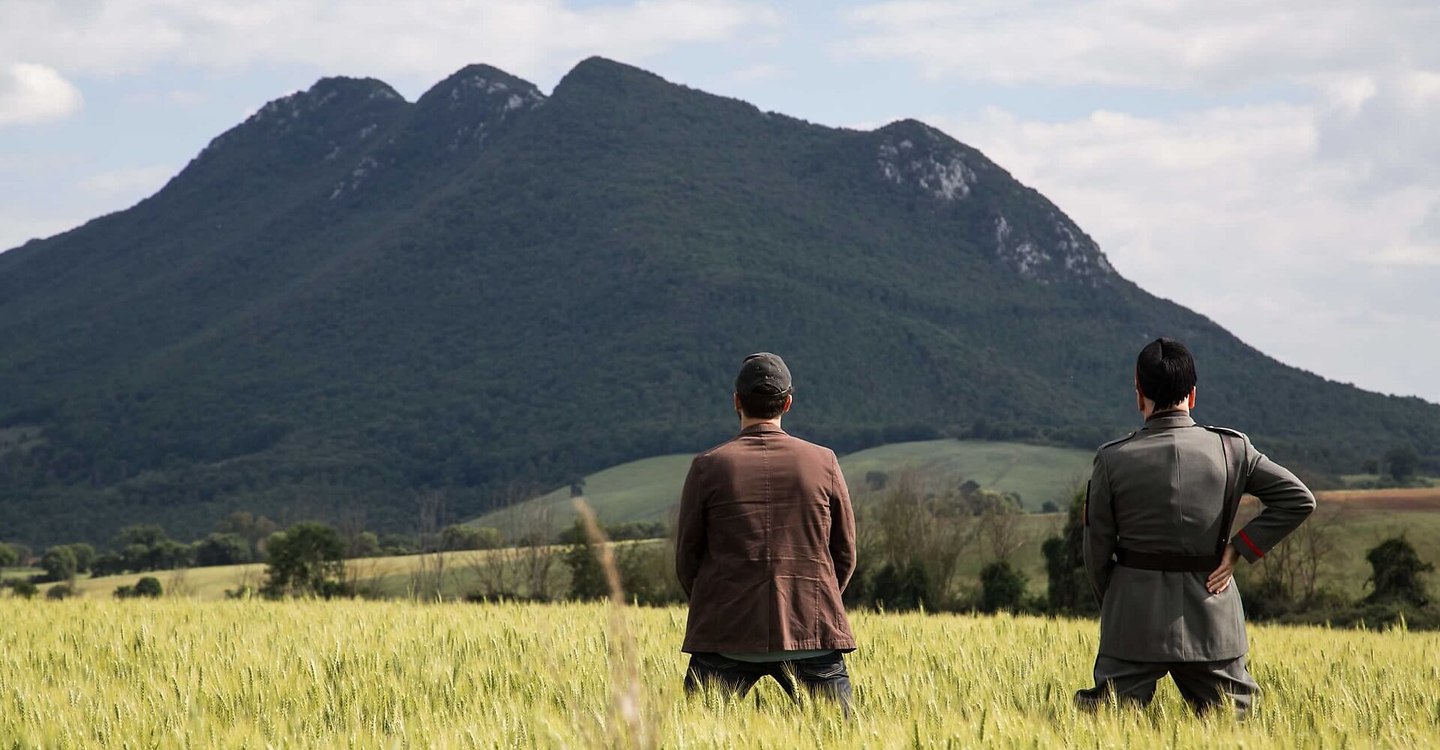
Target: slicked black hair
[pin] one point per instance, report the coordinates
(1165, 371)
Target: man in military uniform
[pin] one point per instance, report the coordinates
(1158, 550)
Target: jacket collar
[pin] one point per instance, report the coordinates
(1165, 420)
(762, 429)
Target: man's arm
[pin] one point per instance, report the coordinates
(842, 527)
(1099, 528)
(1287, 503)
(690, 530)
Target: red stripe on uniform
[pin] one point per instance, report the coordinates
(1246, 539)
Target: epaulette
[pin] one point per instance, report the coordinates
(1116, 441)
(1225, 431)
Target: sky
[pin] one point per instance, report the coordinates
(1273, 166)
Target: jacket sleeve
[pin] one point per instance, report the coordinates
(1287, 503)
(842, 527)
(690, 529)
(1100, 531)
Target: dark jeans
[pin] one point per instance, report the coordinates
(823, 676)
(1203, 684)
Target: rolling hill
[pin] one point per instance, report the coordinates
(647, 490)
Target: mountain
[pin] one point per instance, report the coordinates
(351, 306)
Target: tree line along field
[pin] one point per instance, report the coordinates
(176, 673)
(1357, 521)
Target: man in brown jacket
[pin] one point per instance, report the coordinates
(765, 543)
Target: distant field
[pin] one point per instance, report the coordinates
(210, 584)
(647, 490)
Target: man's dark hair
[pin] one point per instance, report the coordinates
(1165, 371)
(763, 405)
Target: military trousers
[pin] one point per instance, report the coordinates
(1203, 684)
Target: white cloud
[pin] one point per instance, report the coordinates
(1177, 44)
(32, 93)
(421, 40)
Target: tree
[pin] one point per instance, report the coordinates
(587, 577)
(1068, 586)
(1396, 573)
(457, 537)
(307, 558)
(1403, 461)
(84, 556)
(901, 588)
(59, 563)
(253, 530)
(922, 539)
(1001, 587)
(146, 534)
(222, 549)
(8, 556)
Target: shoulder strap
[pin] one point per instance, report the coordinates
(1118, 441)
(1233, 448)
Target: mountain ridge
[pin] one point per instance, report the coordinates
(350, 301)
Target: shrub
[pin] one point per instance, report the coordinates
(22, 588)
(60, 591)
(1396, 573)
(1001, 587)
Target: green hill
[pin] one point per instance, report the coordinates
(647, 490)
(351, 302)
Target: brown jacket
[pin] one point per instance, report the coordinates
(764, 545)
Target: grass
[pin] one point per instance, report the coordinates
(172, 674)
(647, 490)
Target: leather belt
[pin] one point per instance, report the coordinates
(1166, 562)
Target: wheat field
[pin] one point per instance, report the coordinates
(175, 673)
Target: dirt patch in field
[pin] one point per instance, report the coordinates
(1412, 499)
(1415, 498)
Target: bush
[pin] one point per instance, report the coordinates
(1001, 587)
(22, 588)
(60, 591)
(901, 588)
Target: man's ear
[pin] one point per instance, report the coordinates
(789, 399)
(738, 410)
(1191, 403)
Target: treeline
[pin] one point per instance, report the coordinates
(952, 550)
(238, 539)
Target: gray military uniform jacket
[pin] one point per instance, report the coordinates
(1161, 490)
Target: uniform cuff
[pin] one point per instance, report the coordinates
(1247, 548)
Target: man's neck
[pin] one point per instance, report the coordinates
(748, 422)
(1178, 410)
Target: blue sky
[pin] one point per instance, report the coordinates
(1272, 166)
